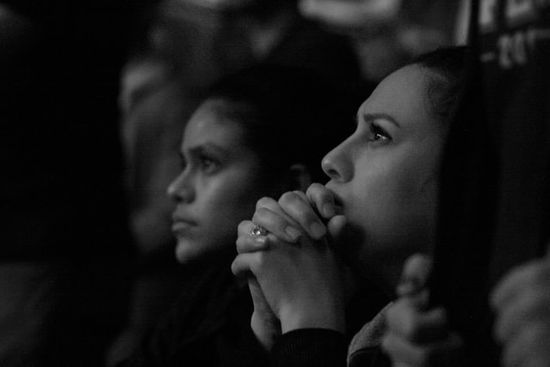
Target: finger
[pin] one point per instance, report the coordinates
(530, 306)
(258, 299)
(336, 226)
(295, 205)
(532, 274)
(273, 205)
(276, 224)
(425, 326)
(532, 344)
(245, 228)
(242, 265)
(416, 271)
(322, 199)
(249, 243)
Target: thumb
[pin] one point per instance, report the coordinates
(261, 306)
(258, 297)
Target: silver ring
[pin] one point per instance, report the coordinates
(258, 231)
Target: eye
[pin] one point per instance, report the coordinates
(208, 164)
(378, 134)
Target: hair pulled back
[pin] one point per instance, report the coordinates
(288, 115)
(447, 81)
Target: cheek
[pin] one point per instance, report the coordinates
(393, 203)
(228, 204)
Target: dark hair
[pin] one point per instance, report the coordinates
(449, 67)
(289, 115)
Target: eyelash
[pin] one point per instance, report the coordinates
(378, 134)
(208, 164)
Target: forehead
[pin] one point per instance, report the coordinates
(212, 123)
(402, 95)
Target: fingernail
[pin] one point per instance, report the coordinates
(292, 233)
(328, 210)
(317, 230)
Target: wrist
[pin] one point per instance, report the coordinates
(331, 319)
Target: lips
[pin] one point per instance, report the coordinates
(182, 225)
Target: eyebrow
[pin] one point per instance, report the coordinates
(200, 149)
(369, 117)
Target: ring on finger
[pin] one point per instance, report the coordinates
(258, 231)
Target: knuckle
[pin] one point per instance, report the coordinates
(267, 219)
(300, 194)
(243, 226)
(260, 214)
(264, 202)
(315, 187)
(288, 198)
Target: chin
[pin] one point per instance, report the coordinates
(186, 251)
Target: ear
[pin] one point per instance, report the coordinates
(300, 177)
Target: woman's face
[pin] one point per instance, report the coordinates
(218, 186)
(385, 176)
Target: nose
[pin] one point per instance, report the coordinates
(181, 190)
(337, 163)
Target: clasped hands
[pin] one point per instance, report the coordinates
(293, 274)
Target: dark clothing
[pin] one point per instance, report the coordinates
(323, 347)
(208, 326)
(310, 347)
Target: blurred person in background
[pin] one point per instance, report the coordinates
(244, 141)
(187, 45)
(151, 135)
(197, 42)
(387, 33)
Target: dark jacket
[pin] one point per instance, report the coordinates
(359, 347)
(208, 326)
